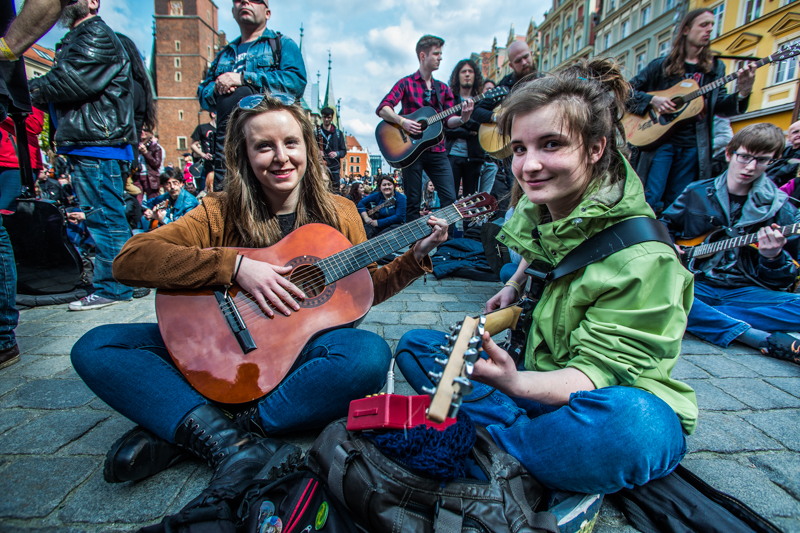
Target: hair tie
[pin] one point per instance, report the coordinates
(582, 78)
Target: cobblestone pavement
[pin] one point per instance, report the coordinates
(54, 432)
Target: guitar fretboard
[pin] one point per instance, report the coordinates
(353, 259)
(744, 240)
(722, 81)
(455, 109)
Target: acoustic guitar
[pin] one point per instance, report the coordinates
(388, 203)
(400, 148)
(711, 243)
(492, 142)
(650, 131)
(231, 352)
(155, 210)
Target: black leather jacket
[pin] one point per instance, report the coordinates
(703, 208)
(91, 88)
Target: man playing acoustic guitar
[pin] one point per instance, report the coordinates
(686, 155)
(742, 293)
(414, 92)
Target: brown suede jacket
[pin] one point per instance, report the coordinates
(196, 251)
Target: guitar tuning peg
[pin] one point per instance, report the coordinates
(435, 376)
(445, 349)
(471, 355)
(475, 341)
(442, 362)
(429, 390)
(453, 410)
(448, 338)
(468, 368)
(482, 320)
(466, 385)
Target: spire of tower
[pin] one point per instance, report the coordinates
(308, 101)
(330, 99)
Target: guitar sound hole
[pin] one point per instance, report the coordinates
(310, 279)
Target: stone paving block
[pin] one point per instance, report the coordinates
(34, 486)
(99, 440)
(390, 305)
(727, 433)
(767, 366)
(694, 346)
(790, 385)
(31, 344)
(420, 319)
(463, 307)
(395, 332)
(149, 318)
(70, 330)
(756, 393)
(720, 367)
(31, 329)
(417, 289)
(99, 502)
(101, 316)
(416, 307)
(14, 417)
(477, 297)
(496, 285)
(49, 394)
(780, 424)
(197, 482)
(749, 485)
(454, 282)
(39, 313)
(382, 317)
(710, 398)
(407, 297)
(7, 384)
(450, 319)
(45, 367)
(782, 468)
(439, 297)
(378, 330)
(68, 373)
(58, 529)
(49, 432)
(99, 405)
(685, 370)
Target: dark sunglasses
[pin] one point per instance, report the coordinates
(262, 2)
(252, 101)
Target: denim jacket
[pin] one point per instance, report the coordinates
(259, 69)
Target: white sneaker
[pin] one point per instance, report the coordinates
(93, 301)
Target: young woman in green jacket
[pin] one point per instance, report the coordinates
(592, 408)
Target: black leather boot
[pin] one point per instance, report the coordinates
(139, 454)
(235, 454)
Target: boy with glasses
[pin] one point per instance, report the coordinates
(743, 293)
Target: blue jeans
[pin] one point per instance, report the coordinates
(10, 187)
(129, 368)
(600, 442)
(9, 316)
(488, 173)
(98, 186)
(672, 170)
(719, 315)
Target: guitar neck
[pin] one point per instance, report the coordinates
(455, 109)
(353, 259)
(744, 240)
(705, 89)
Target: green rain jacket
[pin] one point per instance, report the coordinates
(620, 320)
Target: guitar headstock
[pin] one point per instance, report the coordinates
(478, 205)
(497, 91)
(453, 383)
(786, 53)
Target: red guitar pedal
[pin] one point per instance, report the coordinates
(392, 411)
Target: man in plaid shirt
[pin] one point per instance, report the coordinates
(413, 92)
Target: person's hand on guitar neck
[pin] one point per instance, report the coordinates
(268, 285)
(771, 241)
(439, 235)
(745, 78)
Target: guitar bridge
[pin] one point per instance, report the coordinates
(231, 313)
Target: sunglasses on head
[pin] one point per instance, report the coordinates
(252, 101)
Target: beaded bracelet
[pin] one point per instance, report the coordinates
(236, 272)
(6, 51)
(517, 287)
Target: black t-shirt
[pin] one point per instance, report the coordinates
(204, 134)
(736, 205)
(287, 223)
(685, 133)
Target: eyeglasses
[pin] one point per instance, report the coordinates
(252, 101)
(262, 2)
(746, 159)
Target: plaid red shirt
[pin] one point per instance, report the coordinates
(409, 91)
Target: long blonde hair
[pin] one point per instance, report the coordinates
(248, 207)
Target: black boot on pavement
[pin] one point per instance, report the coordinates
(9, 356)
(139, 454)
(235, 455)
(783, 346)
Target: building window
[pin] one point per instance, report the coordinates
(625, 29)
(752, 10)
(208, 49)
(669, 4)
(580, 13)
(358, 160)
(176, 8)
(177, 46)
(208, 15)
(177, 62)
(566, 51)
(578, 40)
(181, 143)
(641, 59)
(645, 16)
(607, 40)
(787, 69)
(352, 160)
(36, 73)
(719, 16)
(352, 168)
(544, 65)
(612, 5)
(554, 59)
(178, 76)
(180, 115)
(569, 21)
(664, 45)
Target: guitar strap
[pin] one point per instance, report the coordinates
(609, 241)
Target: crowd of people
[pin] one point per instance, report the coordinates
(596, 373)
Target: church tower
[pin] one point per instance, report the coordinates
(330, 100)
(185, 42)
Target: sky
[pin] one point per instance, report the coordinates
(371, 41)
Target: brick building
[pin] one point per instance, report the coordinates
(186, 40)
(357, 159)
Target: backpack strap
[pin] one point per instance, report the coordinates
(539, 521)
(447, 521)
(609, 241)
(336, 474)
(275, 45)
